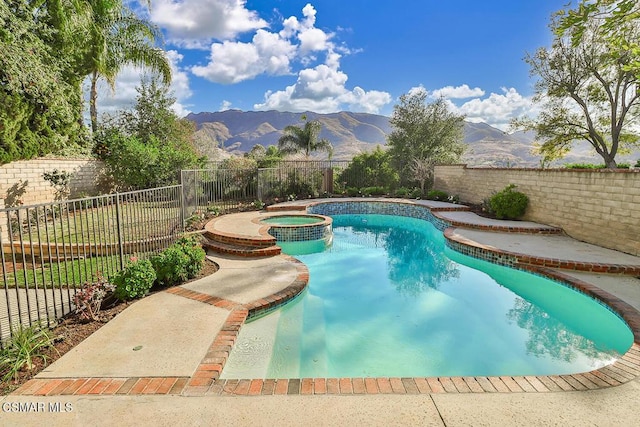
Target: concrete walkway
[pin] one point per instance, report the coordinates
(157, 362)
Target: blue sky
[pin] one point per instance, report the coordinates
(355, 55)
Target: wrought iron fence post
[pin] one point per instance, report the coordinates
(119, 227)
(183, 207)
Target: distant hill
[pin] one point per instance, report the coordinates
(234, 132)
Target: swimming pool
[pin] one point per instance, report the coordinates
(389, 299)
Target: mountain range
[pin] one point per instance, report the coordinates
(234, 132)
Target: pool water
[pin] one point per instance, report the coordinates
(292, 220)
(389, 299)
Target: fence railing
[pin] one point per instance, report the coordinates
(50, 250)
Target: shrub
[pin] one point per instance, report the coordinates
(353, 192)
(369, 170)
(583, 166)
(135, 280)
(416, 193)
(508, 203)
(374, 191)
(401, 192)
(27, 344)
(179, 262)
(88, 300)
(437, 195)
(170, 266)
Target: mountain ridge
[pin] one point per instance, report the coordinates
(234, 132)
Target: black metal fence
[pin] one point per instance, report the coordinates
(50, 250)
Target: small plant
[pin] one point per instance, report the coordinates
(374, 191)
(135, 280)
(508, 203)
(258, 205)
(402, 192)
(437, 195)
(637, 164)
(213, 210)
(416, 193)
(291, 198)
(26, 345)
(181, 261)
(353, 192)
(88, 300)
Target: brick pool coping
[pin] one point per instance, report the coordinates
(206, 378)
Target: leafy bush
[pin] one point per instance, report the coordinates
(401, 192)
(508, 203)
(594, 166)
(416, 193)
(637, 164)
(353, 192)
(179, 262)
(135, 164)
(374, 191)
(27, 344)
(437, 195)
(369, 170)
(135, 280)
(583, 166)
(258, 204)
(88, 300)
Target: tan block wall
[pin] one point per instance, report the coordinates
(600, 207)
(22, 181)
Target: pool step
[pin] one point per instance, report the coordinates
(285, 359)
(314, 342)
(242, 250)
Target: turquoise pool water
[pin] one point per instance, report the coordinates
(389, 299)
(292, 220)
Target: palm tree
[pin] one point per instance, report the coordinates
(296, 139)
(118, 37)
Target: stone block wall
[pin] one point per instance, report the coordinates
(601, 207)
(21, 182)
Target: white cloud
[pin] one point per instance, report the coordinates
(458, 92)
(270, 53)
(498, 109)
(225, 105)
(320, 84)
(234, 62)
(194, 23)
(125, 93)
(322, 89)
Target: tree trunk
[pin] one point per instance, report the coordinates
(610, 163)
(93, 97)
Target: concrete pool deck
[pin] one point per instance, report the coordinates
(158, 361)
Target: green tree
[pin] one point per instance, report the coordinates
(587, 92)
(370, 170)
(149, 145)
(118, 37)
(614, 18)
(304, 139)
(39, 107)
(268, 157)
(423, 131)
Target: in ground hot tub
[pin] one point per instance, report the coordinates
(299, 228)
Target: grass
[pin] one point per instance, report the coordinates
(95, 225)
(72, 273)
